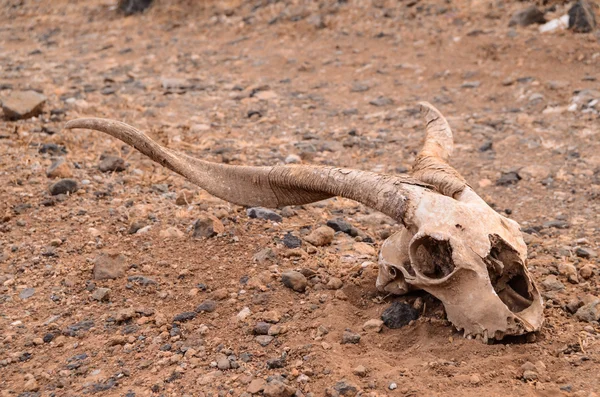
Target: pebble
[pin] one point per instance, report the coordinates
(321, 236)
(360, 371)
(587, 271)
(527, 16)
(22, 104)
(293, 159)
(263, 213)
(264, 340)
(508, 178)
(207, 306)
(111, 164)
(63, 186)
(59, 169)
(184, 198)
(256, 386)
(142, 280)
(373, 325)
(261, 328)
(585, 253)
(185, 316)
(208, 226)
(276, 388)
(171, 232)
(101, 294)
(109, 265)
(393, 386)
(340, 225)
(223, 362)
(350, 337)
(294, 280)
(345, 389)
(589, 312)
(26, 293)
(291, 241)
(551, 283)
(381, 101)
(334, 283)
(581, 17)
(243, 314)
(399, 314)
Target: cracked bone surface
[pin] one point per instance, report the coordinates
(452, 244)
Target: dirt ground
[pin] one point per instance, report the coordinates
(262, 83)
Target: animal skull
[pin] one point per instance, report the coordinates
(452, 244)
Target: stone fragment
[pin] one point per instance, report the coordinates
(262, 328)
(345, 389)
(256, 386)
(581, 17)
(264, 340)
(373, 325)
(276, 388)
(129, 7)
(111, 164)
(185, 316)
(585, 253)
(586, 271)
(208, 226)
(59, 169)
(551, 283)
(291, 241)
(22, 105)
(263, 213)
(398, 315)
(334, 283)
(207, 306)
(508, 178)
(320, 236)
(360, 371)
(569, 271)
(381, 101)
(294, 280)
(142, 280)
(63, 186)
(350, 337)
(26, 293)
(101, 294)
(589, 312)
(340, 225)
(527, 16)
(109, 265)
(171, 232)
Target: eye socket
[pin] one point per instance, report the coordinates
(432, 258)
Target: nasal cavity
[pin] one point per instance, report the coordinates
(432, 258)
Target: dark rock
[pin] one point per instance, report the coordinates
(207, 306)
(52, 148)
(142, 280)
(27, 293)
(527, 16)
(129, 7)
(358, 87)
(263, 213)
(589, 312)
(74, 329)
(261, 328)
(350, 337)
(345, 389)
(22, 105)
(204, 227)
(381, 101)
(581, 17)
(109, 265)
(294, 280)
(486, 146)
(135, 226)
(556, 224)
(342, 226)
(508, 178)
(49, 337)
(264, 340)
(111, 164)
(585, 253)
(275, 363)
(398, 315)
(185, 316)
(291, 241)
(64, 186)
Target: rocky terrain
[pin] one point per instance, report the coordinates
(119, 278)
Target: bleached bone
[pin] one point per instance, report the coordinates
(452, 244)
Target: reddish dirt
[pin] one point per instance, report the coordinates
(295, 63)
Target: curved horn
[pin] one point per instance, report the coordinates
(275, 186)
(431, 165)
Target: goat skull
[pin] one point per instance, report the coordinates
(452, 244)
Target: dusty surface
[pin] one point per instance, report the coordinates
(254, 84)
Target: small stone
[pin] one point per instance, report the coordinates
(63, 186)
(508, 178)
(276, 388)
(373, 325)
(556, 224)
(208, 226)
(184, 198)
(334, 283)
(589, 312)
(475, 379)
(345, 389)
(31, 385)
(207, 306)
(185, 316)
(393, 386)
(243, 314)
(135, 226)
(26, 293)
(350, 337)
(109, 266)
(101, 294)
(271, 316)
(124, 315)
(265, 256)
(364, 249)
(274, 363)
(291, 241)
(22, 104)
(551, 283)
(261, 328)
(59, 169)
(264, 340)
(529, 375)
(111, 164)
(586, 271)
(277, 329)
(573, 305)
(129, 7)
(321, 236)
(585, 253)
(293, 159)
(527, 16)
(569, 271)
(49, 337)
(142, 280)
(360, 371)
(581, 17)
(223, 362)
(263, 213)
(256, 386)
(340, 225)
(381, 101)
(398, 315)
(294, 280)
(171, 232)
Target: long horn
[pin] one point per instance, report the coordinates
(431, 165)
(275, 186)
